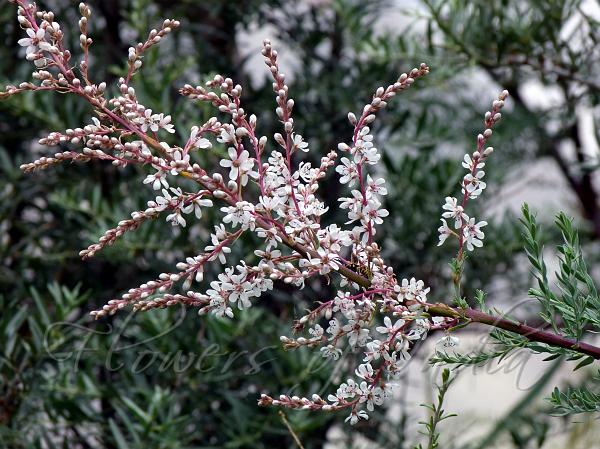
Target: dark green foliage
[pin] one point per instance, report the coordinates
(165, 379)
(534, 250)
(578, 304)
(581, 399)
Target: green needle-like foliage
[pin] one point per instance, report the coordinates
(576, 304)
(573, 400)
(438, 414)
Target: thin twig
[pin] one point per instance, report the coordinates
(528, 332)
(287, 424)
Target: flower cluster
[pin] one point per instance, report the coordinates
(467, 229)
(264, 189)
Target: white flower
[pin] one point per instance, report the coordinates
(344, 304)
(363, 150)
(371, 395)
(241, 214)
(316, 332)
(305, 172)
(176, 218)
(239, 165)
(419, 330)
(474, 184)
(374, 350)
(267, 257)
(270, 235)
(357, 334)
(221, 232)
(395, 364)
(198, 142)
(337, 237)
(180, 162)
(445, 232)
(35, 40)
(345, 391)
(412, 290)
(202, 143)
(215, 239)
(376, 186)
(166, 200)
(227, 135)
(469, 163)
(388, 328)
(326, 261)
(371, 156)
(473, 234)
(400, 349)
(158, 179)
(454, 211)
(196, 205)
(364, 371)
(299, 143)
(334, 327)
(353, 204)
(217, 300)
(355, 416)
(268, 203)
(372, 213)
(448, 341)
(331, 351)
(155, 122)
(438, 320)
(347, 170)
(262, 284)
(238, 288)
(164, 122)
(312, 206)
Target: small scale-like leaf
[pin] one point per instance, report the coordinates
(584, 362)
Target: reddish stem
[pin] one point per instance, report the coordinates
(528, 332)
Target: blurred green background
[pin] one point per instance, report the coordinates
(170, 379)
